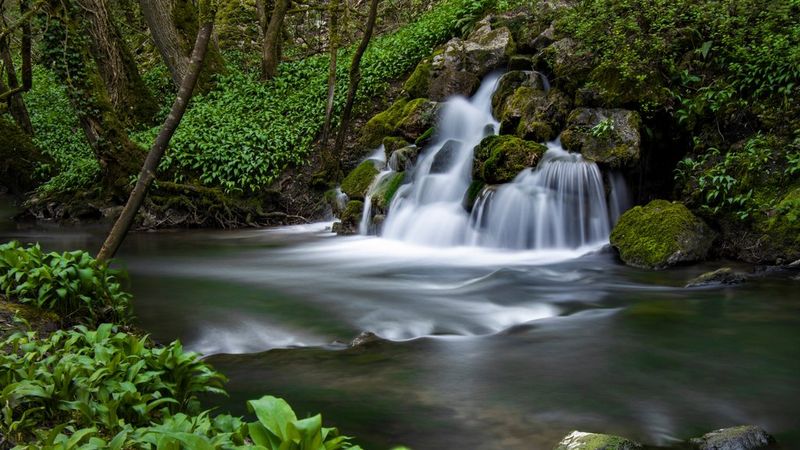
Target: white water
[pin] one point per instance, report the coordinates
(561, 204)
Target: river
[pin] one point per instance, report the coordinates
(485, 349)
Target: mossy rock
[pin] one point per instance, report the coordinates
(356, 183)
(745, 437)
(661, 234)
(569, 62)
(393, 143)
(406, 119)
(402, 159)
(578, 440)
(498, 159)
(533, 114)
(386, 190)
(21, 163)
(350, 218)
(419, 82)
(782, 229)
(473, 191)
(510, 82)
(607, 136)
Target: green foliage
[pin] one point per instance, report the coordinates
(721, 184)
(603, 129)
(59, 135)
(82, 389)
(244, 133)
(103, 378)
(73, 284)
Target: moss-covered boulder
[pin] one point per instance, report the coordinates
(418, 83)
(578, 440)
(407, 119)
(349, 219)
(402, 159)
(20, 160)
(393, 143)
(781, 231)
(385, 191)
(661, 234)
(473, 192)
(498, 159)
(724, 276)
(534, 114)
(569, 62)
(745, 437)
(607, 136)
(357, 182)
(510, 82)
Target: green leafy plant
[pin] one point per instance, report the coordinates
(603, 129)
(73, 284)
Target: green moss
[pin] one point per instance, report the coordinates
(425, 137)
(356, 183)
(387, 122)
(498, 159)
(416, 86)
(661, 234)
(592, 441)
(474, 190)
(782, 229)
(392, 143)
(388, 188)
(535, 131)
(353, 211)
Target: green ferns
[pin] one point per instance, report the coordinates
(72, 284)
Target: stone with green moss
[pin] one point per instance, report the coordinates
(350, 218)
(418, 83)
(498, 159)
(356, 183)
(386, 190)
(528, 111)
(406, 119)
(393, 143)
(510, 82)
(607, 136)
(661, 234)
(744, 437)
(781, 230)
(473, 191)
(578, 440)
(570, 62)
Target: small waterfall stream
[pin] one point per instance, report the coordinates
(560, 204)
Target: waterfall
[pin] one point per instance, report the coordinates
(560, 204)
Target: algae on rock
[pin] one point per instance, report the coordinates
(498, 159)
(661, 234)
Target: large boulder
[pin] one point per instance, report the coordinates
(384, 192)
(510, 82)
(746, 437)
(529, 111)
(498, 159)
(405, 119)
(607, 136)
(457, 68)
(661, 234)
(568, 61)
(357, 182)
(578, 440)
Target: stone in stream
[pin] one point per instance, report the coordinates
(607, 136)
(661, 234)
(365, 339)
(745, 437)
(350, 218)
(720, 277)
(578, 440)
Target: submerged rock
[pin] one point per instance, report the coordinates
(357, 182)
(746, 437)
(499, 159)
(366, 339)
(723, 276)
(661, 234)
(578, 440)
(607, 136)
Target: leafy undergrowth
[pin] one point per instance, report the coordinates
(244, 133)
(80, 289)
(105, 389)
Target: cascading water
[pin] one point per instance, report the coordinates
(561, 204)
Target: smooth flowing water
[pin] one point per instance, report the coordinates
(487, 349)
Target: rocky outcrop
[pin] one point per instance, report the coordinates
(498, 159)
(607, 136)
(569, 63)
(746, 437)
(578, 440)
(724, 276)
(457, 68)
(356, 183)
(404, 119)
(526, 109)
(661, 234)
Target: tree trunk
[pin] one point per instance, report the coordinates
(25, 48)
(132, 100)
(173, 25)
(271, 54)
(148, 172)
(329, 162)
(66, 46)
(16, 105)
(355, 79)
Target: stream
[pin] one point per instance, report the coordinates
(485, 349)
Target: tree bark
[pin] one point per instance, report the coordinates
(148, 172)
(132, 100)
(16, 105)
(173, 26)
(271, 54)
(25, 48)
(333, 48)
(66, 46)
(355, 79)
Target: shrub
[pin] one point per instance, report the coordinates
(72, 284)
